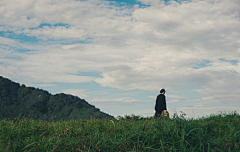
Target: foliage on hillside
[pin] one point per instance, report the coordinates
(21, 101)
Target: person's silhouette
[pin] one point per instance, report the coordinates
(160, 103)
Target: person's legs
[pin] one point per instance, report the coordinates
(157, 115)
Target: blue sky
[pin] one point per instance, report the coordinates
(117, 55)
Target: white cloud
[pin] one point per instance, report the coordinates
(151, 2)
(152, 97)
(153, 47)
(81, 93)
(125, 101)
(180, 37)
(175, 98)
(57, 33)
(6, 41)
(46, 85)
(148, 112)
(6, 71)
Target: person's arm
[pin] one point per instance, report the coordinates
(164, 103)
(156, 105)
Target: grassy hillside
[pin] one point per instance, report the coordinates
(217, 133)
(20, 101)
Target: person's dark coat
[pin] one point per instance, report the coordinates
(160, 104)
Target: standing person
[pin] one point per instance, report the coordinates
(160, 103)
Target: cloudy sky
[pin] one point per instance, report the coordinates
(117, 55)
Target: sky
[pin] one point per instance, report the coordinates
(118, 54)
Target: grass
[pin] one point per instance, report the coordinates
(217, 133)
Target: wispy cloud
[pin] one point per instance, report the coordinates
(164, 45)
(125, 101)
(81, 93)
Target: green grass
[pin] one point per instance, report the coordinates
(130, 133)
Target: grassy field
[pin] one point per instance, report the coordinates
(218, 133)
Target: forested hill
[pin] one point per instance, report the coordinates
(21, 101)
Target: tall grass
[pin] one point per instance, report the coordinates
(130, 133)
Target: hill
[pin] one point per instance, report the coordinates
(20, 101)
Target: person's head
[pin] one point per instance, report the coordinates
(162, 91)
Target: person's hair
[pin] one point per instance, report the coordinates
(162, 90)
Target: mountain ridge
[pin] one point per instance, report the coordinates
(19, 101)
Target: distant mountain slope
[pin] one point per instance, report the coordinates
(21, 101)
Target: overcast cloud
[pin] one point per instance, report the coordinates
(185, 47)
